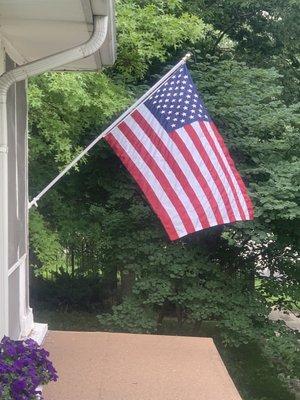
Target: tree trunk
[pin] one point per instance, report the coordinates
(127, 281)
(179, 315)
(160, 317)
(110, 284)
(72, 262)
(197, 327)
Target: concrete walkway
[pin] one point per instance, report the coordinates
(112, 366)
(291, 319)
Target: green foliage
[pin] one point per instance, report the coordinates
(283, 349)
(61, 116)
(262, 134)
(149, 33)
(45, 242)
(128, 317)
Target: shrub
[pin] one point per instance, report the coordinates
(65, 291)
(129, 316)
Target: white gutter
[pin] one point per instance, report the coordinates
(6, 80)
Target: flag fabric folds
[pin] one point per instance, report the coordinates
(174, 151)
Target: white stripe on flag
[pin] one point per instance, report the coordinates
(165, 168)
(212, 156)
(205, 172)
(151, 179)
(182, 163)
(235, 183)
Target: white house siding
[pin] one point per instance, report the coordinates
(20, 316)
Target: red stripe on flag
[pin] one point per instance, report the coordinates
(221, 185)
(145, 186)
(138, 117)
(234, 170)
(160, 176)
(224, 169)
(198, 174)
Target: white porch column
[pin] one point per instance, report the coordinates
(3, 211)
(16, 318)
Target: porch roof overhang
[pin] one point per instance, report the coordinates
(33, 29)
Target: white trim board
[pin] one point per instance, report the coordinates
(38, 333)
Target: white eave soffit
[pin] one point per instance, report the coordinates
(32, 29)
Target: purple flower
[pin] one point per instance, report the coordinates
(5, 368)
(18, 385)
(23, 367)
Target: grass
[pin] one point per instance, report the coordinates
(67, 321)
(253, 375)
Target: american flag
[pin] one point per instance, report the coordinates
(176, 154)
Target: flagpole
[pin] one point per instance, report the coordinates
(107, 130)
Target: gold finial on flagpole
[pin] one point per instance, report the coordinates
(187, 56)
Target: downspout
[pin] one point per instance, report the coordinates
(6, 80)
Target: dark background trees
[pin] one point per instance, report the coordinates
(95, 242)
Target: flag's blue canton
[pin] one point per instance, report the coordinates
(177, 102)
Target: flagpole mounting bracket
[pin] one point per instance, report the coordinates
(33, 203)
